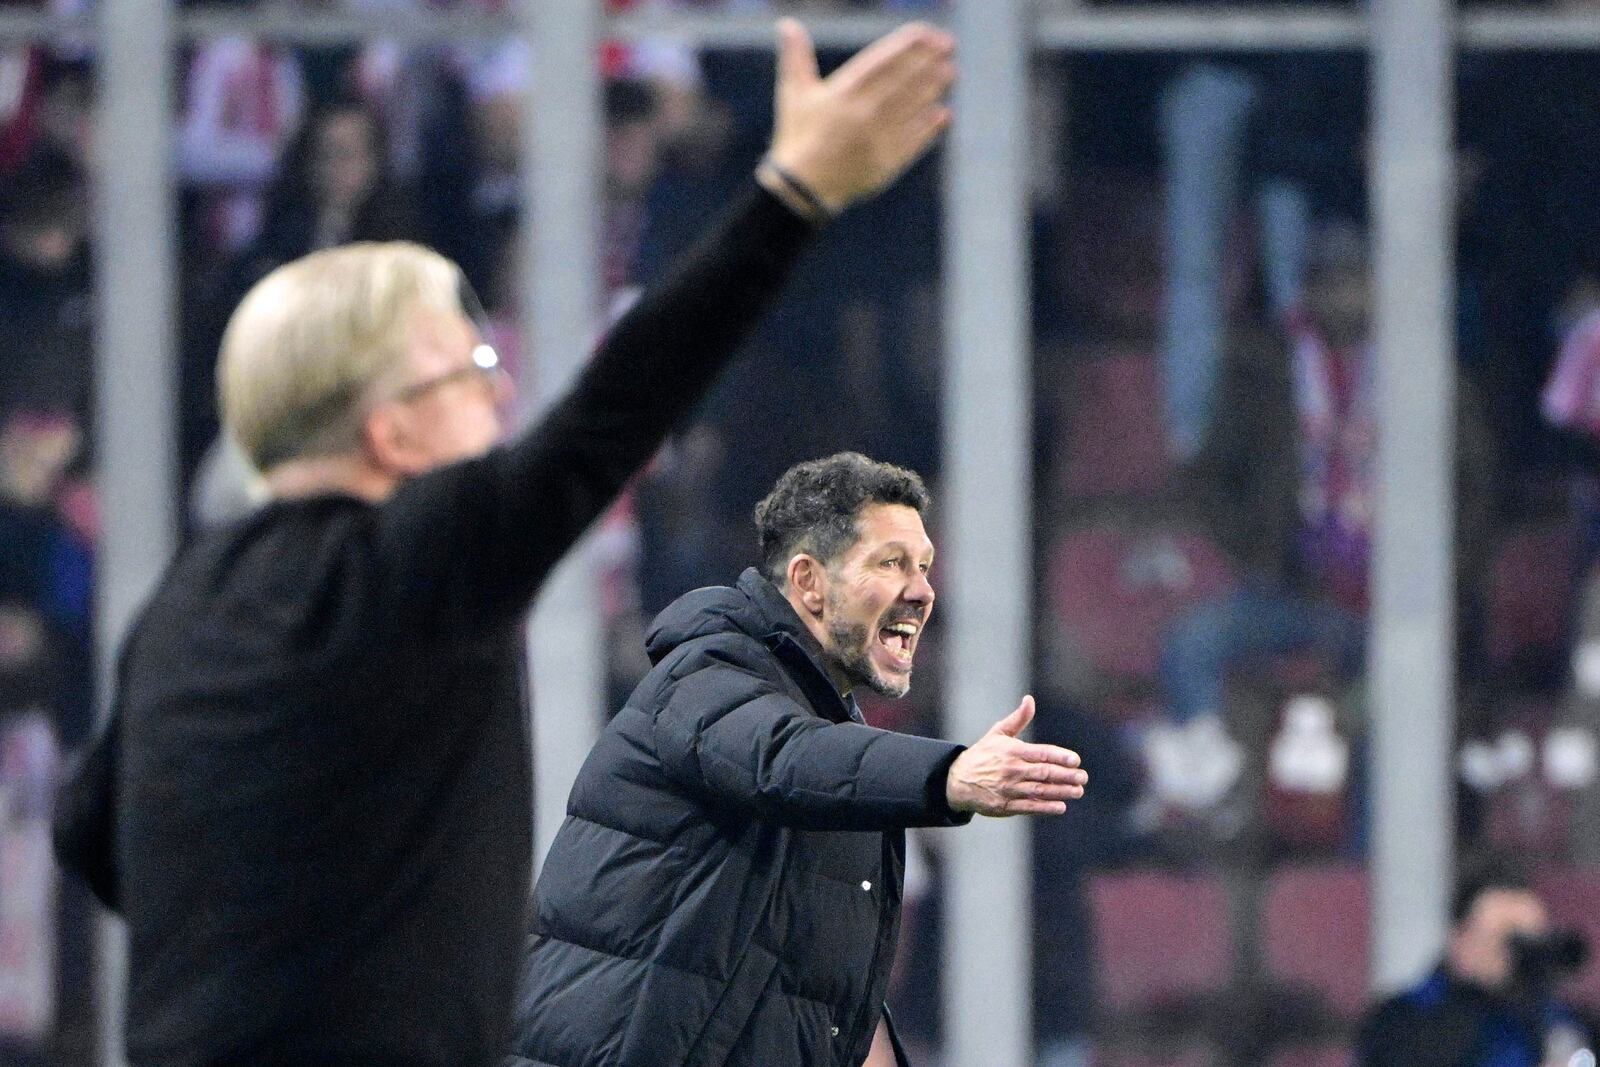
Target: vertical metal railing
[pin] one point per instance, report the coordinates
(560, 298)
(988, 511)
(136, 367)
(1412, 662)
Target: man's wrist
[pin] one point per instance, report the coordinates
(796, 194)
(939, 791)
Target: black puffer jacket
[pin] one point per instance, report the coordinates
(726, 888)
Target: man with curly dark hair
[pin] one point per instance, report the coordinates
(726, 888)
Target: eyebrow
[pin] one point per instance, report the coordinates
(902, 547)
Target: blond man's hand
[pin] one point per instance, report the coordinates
(849, 135)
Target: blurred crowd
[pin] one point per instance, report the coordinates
(1204, 449)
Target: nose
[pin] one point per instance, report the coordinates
(920, 590)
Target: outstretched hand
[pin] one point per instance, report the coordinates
(1003, 775)
(850, 134)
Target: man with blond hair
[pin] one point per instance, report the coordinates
(313, 805)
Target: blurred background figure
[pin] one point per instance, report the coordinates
(1284, 132)
(334, 185)
(1494, 1000)
(1285, 483)
(45, 294)
(242, 103)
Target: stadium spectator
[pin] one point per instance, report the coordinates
(1492, 1001)
(242, 102)
(45, 308)
(333, 186)
(47, 108)
(46, 674)
(45, 574)
(1571, 403)
(1285, 483)
(1293, 125)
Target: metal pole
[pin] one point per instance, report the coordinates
(1412, 661)
(987, 526)
(136, 366)
(561, 146)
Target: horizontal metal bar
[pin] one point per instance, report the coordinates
(1514, 30)
(335, 27)
(829, 29)
(27, 24)
(1063, 28)
(1161, 29)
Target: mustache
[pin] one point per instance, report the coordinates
(902, 613)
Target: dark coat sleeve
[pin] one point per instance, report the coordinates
(83, 823)
(735, 739)
(471, 543)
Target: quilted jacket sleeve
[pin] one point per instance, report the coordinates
(736, 739)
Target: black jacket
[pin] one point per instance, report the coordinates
(313, 803)
(1448, 1022)
(726, 888)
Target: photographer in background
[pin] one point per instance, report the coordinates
(1492, 1001)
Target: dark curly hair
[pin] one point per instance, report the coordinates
(815, 506)
(1485, 873)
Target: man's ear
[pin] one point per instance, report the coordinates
(389, 442)
(809, 581)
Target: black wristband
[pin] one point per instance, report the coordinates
(800, 189)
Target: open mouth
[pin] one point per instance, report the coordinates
(899, 639)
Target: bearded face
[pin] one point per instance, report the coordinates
(879, 599)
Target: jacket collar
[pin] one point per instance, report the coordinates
(796, 648)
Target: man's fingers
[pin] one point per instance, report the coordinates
(914, 137)
(1017, 721)
(1036, 807)
(1050, 772)
(904, 89)
(1061, 757)
(797, 56)
(926, 92)
(868, 63)
(891, 57)
(1045, 791)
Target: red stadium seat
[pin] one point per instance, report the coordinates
(1316, 925)
(1115, 587)
(1306, 823)
(1159, 938)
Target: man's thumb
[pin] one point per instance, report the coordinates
(1013, 724)
(797, 57)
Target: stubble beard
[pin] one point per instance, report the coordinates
(851, 655)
